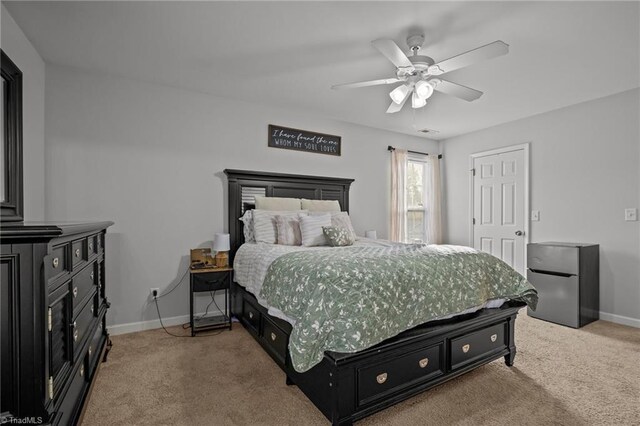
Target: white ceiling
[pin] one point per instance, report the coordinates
(289, 54)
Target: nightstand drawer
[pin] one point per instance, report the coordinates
(210, 281)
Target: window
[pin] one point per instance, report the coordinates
(416, 198)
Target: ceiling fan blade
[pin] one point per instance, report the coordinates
(457, 90)
(366, 83)
(491, 50)
(390, 49)
(394, 107)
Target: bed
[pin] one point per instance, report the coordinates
(346, 387)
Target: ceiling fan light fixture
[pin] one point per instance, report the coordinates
(399, 93)
(417, 101)
(424, 89)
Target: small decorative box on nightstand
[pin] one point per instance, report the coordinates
(210, 280)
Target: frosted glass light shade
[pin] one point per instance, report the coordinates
(424, 89)
(221, 242)
(417, 101)
(399, 93)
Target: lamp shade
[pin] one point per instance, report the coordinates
(221, 242)
(371, 234)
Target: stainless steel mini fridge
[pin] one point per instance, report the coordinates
(567, 277)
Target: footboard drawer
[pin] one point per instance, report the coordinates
(276, 340)
(399, 372)
(251, 316)
(477, 345)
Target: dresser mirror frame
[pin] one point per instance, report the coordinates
(11, 186)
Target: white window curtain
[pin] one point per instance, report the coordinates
(398, 195)
(433, 195)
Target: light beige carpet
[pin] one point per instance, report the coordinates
(561, 376)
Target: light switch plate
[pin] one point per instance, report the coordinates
(535, 215)
(630, 215)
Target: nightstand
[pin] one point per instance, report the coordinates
(210, 280)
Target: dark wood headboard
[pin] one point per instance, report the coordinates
(244, 185)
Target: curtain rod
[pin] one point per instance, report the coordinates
(391, 148)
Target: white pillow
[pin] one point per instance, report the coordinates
(264, 224)
(277, 203)
(247, 229)
(289, 233)
(311, 229)
(321, 205)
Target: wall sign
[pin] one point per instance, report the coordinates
(302, 140)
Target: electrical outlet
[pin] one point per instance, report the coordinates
(630, 215)
(535, 215)
(156, 289)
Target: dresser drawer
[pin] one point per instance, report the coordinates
(92, 245)
(82, 285)
(71, 399)
(276, 339)
(95, 347)
(474, 346)
(57, 263)
(79, 252)
(251, 316)
(400, 371)
(82, 324)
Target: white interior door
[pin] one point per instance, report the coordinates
(499, 204)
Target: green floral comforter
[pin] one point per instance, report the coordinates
(346, 299)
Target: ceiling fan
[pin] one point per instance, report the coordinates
(419, 74)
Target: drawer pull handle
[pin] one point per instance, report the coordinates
(75, 336)
(90, 246)
(90, 350)
(77, 252)
(465, 348)
(494, 337)
(75, 292)
(81, 370)
(381, 378)
(91, 276)
(250, 315)
(91, 308)
(423, 362)
(55, 262)
(273, 336)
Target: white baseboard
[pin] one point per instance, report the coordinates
(619, 319)
(132, 327)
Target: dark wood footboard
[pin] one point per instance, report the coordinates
(348, 387)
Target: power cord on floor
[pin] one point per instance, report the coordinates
(155, 299)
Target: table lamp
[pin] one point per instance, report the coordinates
(221, 246)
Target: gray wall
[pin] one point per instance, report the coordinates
(22, 53)
(150, 158)
(585, 170)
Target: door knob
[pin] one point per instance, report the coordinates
(519, 233)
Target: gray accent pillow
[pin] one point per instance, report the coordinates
(338, 236)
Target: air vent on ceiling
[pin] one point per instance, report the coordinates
(428, 131)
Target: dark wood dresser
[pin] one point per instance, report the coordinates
(52, 319)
